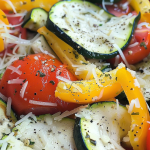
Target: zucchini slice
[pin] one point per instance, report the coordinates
(143, 77)
(6, 123)
(44, 133)
(35, 19)
(89, 29)
(14, 143)
(101, 65)
(101, 126)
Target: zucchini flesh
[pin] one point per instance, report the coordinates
(46, 133)
(101, 125)
(143, 77)
(6, 123)
(35, 19)
(89, 29)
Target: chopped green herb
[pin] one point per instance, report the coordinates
(135, 113)
(10, 12)
(31, 143)
(21, 58)
(88, 107)
(52, 82)
(76, 54)
(41, 74)
(143, 44)
(86, 13)
(4, 16)
(24, 80)
(84, 63)
(1, 75)
(108, 19)
(100, 24)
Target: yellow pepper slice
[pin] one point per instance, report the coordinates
(89, 91)
(4, 20)
(28, 4)
(67, 54)
(143, 6)
(139, 115)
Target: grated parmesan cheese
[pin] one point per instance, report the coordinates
(143, 24)
(3, 97)
(23, 89)
(136, 83)
(15, 81)
(12, 6)
(122, 55)
(8, 109)
(133, 45)
(24, 118)
(15, 69)
(68, 113)
(134, 102)
(42, 103)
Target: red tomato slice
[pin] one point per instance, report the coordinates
(40, 71)
(137, 53)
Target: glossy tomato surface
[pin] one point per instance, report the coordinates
(39, 74)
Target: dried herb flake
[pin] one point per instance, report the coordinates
(41, 74)
(143, 44)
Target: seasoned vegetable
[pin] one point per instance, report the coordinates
(75, 62)
(28, 4)
(142, 6)
(138, 49)
(35, 19)
(143, 76)
(6, 122)
(102, 126)
(90, 30)
(4, 19)
(137, 108)
(89, 91)
(46, 133)
(31, 82)
(14, 143)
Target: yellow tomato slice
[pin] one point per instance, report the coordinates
(3, 19)
(28, 4)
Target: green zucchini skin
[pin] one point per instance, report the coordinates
(81, 50)
(78, 136)
(106, 118)
(35, 19)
